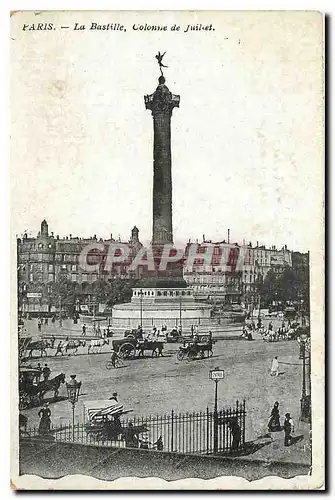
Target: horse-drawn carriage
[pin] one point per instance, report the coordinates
(135, 344)
(24, 341)
(196, 347)
(103, 419)
(103, 423)
(28, 380)
(32, 390)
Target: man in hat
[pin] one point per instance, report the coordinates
(288, 429)
(46, 372)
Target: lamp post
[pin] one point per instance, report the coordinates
(141, 306)
(305, 401)
(73, 388)
(180, 299)
(60, 311)
(216, 374)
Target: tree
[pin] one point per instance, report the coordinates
(64, 292)
(120, 291)
(267, 289)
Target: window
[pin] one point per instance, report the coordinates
(31, 277)
(74, 268)
(50, 268)
(73, 277)
(84, 277)
(50, 277)
(159, 293)
(40, 245)
(165, 294)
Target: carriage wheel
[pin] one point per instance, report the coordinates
(180, 355)
(209, 353)
(127, 351)
(109, 365)
(131, 336)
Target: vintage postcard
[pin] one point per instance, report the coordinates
(167, 189)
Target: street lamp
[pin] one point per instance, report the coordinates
(216, 374)
(60, 311)
(141, 306)
(73, 388)
(305, 401)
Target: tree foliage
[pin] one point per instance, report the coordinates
(287, 287)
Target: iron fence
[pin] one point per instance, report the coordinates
(173, 432)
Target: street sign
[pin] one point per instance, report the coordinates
(34, 295)
(216, 374)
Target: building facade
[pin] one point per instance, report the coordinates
(212, 281)
(45, 259)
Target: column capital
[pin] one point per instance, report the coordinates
(162, 101)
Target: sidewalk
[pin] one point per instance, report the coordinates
(55, 460)
(270, 447)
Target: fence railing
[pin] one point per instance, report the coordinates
(173, 432)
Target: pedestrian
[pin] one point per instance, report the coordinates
(46, 372)
(46, 321)
(274, 422)
(288, 429)
(270, 326)
(84, 329)
(60, 348)
(39, 324)
(45, 422)
(274, 367)
(145, 442)
(39, 369)
(236, 434)
(159, 445)
(130, 436)
(114, 397)
(192, 330)
(259, 323)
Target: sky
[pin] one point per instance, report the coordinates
(247, 140)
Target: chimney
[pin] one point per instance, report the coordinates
(257, 243)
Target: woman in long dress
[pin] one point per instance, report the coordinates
(45, 422)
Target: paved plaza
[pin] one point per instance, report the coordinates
(158, 385)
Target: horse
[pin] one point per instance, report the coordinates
(72, 345)
(38, 345)
(154, 346)
(50, 385)
(97, 345)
